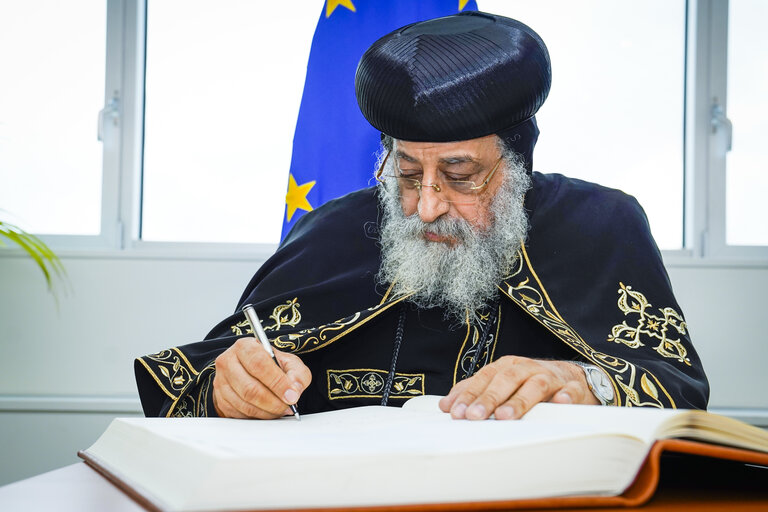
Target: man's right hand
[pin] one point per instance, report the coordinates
(248, 383)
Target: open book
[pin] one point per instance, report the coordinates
(374, 456)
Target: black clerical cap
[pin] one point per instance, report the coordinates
(456, 78)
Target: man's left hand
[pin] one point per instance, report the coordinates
(509, 387)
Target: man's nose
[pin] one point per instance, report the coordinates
(430, 205)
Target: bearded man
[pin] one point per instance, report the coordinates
(461, 273)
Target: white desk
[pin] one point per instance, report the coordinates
(71, 488)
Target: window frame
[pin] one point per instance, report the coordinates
(704, 166)
(705, 191)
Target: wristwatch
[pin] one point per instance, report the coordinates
(599, 383)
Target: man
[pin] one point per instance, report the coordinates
(461, 273)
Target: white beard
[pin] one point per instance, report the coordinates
(462, 277)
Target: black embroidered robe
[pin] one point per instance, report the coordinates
(589, 285)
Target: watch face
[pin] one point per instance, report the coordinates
(602, 384)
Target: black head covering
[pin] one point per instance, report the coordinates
(456, 78)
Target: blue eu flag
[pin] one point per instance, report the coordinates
(333, 145)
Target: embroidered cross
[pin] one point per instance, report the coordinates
(655, 327)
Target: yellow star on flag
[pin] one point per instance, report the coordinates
(297, 196)
(462, 4)
(331, 5)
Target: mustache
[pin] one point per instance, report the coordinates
(456, 228)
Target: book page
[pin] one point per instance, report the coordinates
(362, 430)
(643, 423)
(714, 428)
(646, 424)
(424, 403)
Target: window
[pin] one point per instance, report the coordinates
(727, 123)
(223, 86)
(201, 102)
(614, 114)
(747, 162)
(53, 63)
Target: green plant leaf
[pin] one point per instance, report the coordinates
(46, 260)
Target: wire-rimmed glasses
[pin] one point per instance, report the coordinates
(448, 190)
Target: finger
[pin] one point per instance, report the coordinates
(539, 387)
(259, 364)
(255, 393)
(446, 403)
(223, 408)
(219, 406)
(297, 372)
(253, 408)
(222, 388)
(230, 405)
(504, 384)
(226, 410)
(469, 390)
(574, 393)
(246, 384)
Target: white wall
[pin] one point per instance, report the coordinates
(65, 373)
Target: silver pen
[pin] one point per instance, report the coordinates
(258, 331)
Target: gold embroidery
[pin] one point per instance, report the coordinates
(241, 328)
(156, 379)
(464, 360)
(315, 338)
(186, 361)
(386, 294)
(281, 319)
(182, 408)
(202, 403)
(369, 383)
(309, 340)
(648, 386)
(632, 302)
(524, 287)
(496, 335)
(189, 404)
(170, 369)
(284, 314)
(461, 351)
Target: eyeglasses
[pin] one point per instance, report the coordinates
(448, 190)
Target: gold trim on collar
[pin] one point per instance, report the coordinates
(474, 331)
(461, 351)
(386, 294)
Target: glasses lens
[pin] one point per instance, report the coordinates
(460, 187)
(459, 192)
(407, 188)
(408, 183)
(455, 191)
